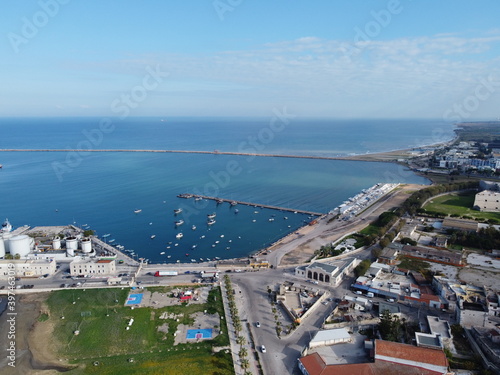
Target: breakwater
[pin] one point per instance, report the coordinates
(215, 152)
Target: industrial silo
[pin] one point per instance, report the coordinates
(20, 245)
(71, 243)
(2, 248)
(5, 239)
(86, 245)
(56, 243)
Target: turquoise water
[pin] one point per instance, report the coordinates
(103, 189)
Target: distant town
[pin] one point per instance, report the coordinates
(400, 279)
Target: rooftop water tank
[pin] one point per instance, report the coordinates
(20, 245)
(87, 245)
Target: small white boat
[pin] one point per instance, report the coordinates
(286, 218)
(193, 260)
(230, 241)
(217, 258)
(202, 236)
(106, 235)
(137, 211)
(179, 222)
(221, 236)
(112, 240)
(169, 256)
(162, 253)
(193, 227)
(211, 216)
(271, 219)
(153, 236)
(179, 235)
(194, 246)
(211, 222)
(198, 198)
(177, 211)
(236, 211)
(176, 244)
(150, 223)
(217, 241)
(253, 221)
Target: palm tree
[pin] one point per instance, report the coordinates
(245, 364)
(240, 340)
(243, 352)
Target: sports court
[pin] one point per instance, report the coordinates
(193, 334)
(134, 299)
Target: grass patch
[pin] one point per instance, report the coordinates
(101, 319)
(43, 317)
(459, 205)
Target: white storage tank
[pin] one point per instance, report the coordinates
(70, 252)
(20, 245)
(86, 245)
(71, 243)
(2, 248)
(56, 243)
(5, 239)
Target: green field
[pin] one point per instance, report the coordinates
(459, 205)
(104, 346)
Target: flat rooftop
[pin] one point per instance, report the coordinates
(439, 326)
(353, 352)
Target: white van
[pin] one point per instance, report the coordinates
(358, 292)
(370, 295)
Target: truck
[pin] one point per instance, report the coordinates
(165, 273)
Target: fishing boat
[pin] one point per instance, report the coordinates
(211, 216)
(211, 222)
(179, 235)
(177, 211)
(137, 211)
(179, 222)
(234, 203)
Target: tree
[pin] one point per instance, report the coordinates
(245, 364)
(362, 267)
(243, 352)
(240, 340)
(389, 326)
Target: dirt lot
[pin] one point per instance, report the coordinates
(35, 354)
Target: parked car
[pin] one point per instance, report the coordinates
(257, 324)
(263, 349)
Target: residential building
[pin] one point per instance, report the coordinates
(488, 201)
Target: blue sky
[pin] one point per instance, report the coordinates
(325, 58)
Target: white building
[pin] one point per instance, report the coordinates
(26, 268)
(488, 201)
(330, 337)
(330, 272)
(92, 267)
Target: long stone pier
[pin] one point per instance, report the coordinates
(235, 202)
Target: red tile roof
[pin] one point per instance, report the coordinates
(313, 363)
(410, 353)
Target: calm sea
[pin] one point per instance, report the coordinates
(102, 190)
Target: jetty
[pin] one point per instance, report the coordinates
(235, 202)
